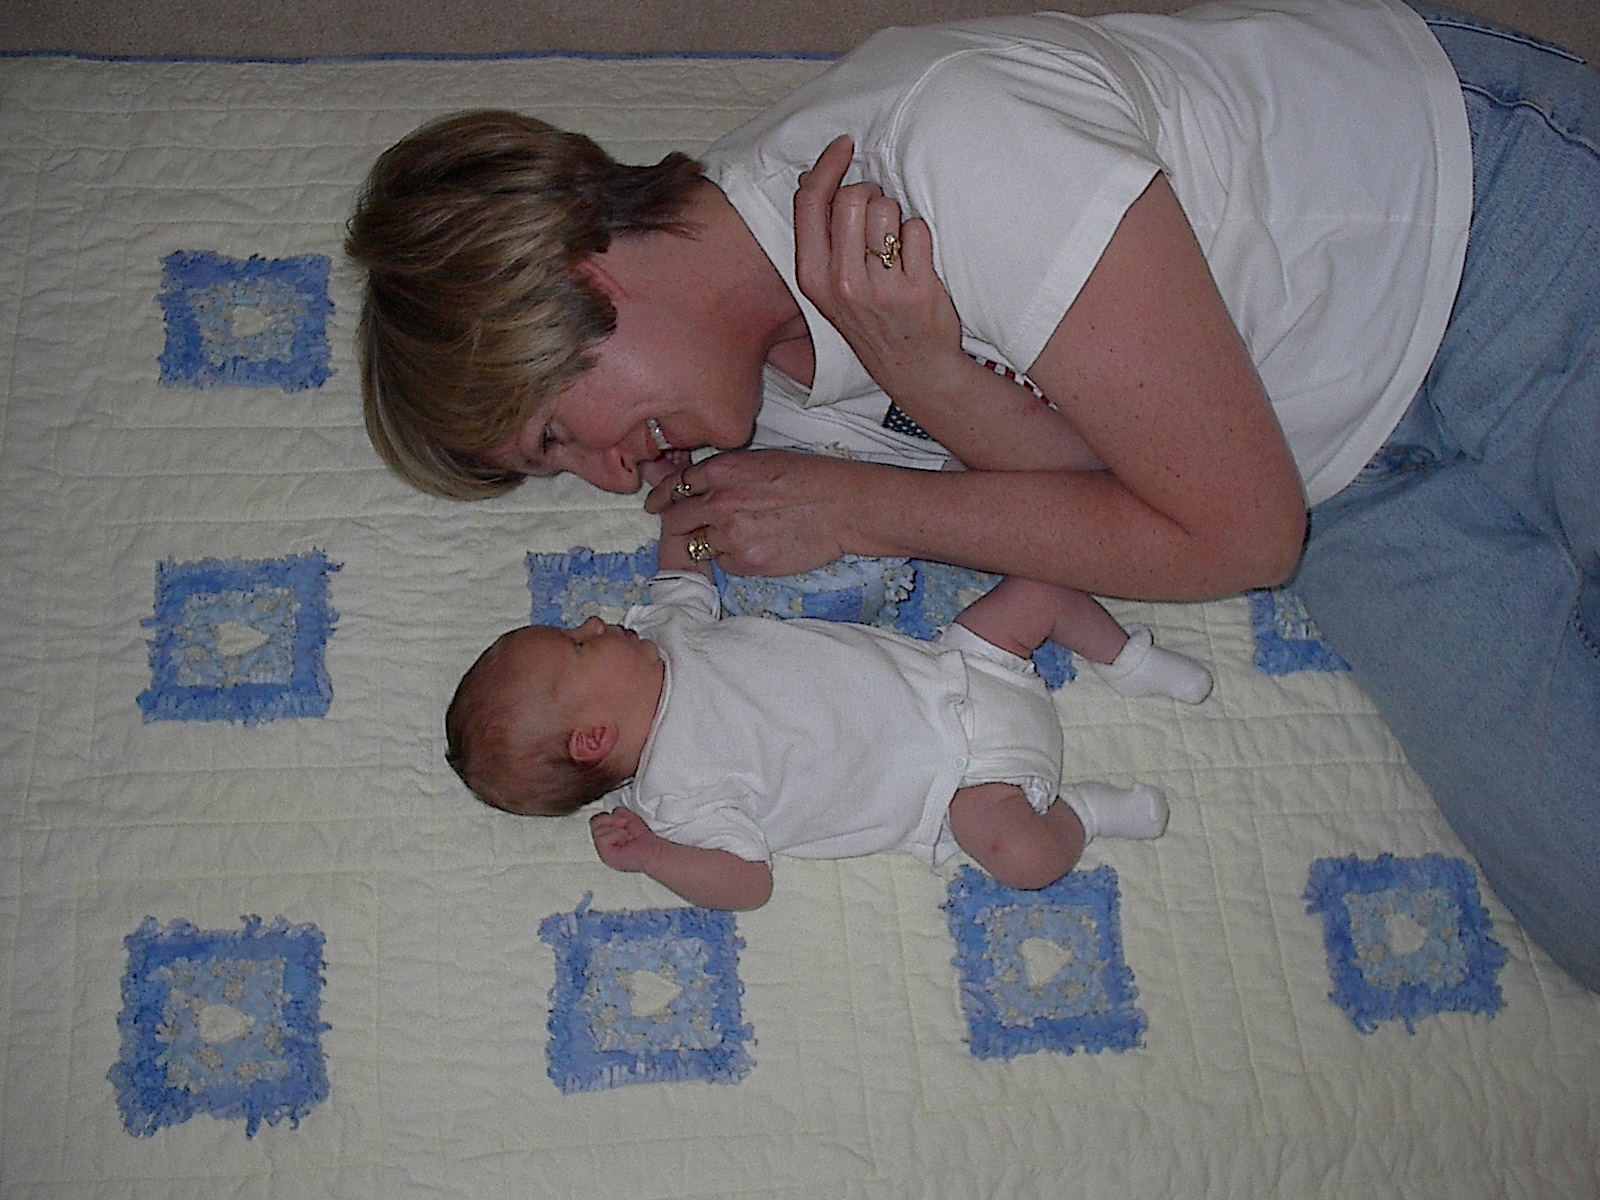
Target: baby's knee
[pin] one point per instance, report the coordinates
(997, 827)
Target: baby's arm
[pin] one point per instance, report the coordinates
(709, 878)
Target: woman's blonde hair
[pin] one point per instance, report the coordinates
(470, 231)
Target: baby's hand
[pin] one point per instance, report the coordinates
(622, 839)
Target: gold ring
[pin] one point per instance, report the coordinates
(700, 546)
(890, 254)
(682, 490)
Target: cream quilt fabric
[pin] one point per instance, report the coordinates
(257, 942)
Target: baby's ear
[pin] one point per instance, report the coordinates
(591, 743)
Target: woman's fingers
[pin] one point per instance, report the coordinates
(814, 208)
(762, 512)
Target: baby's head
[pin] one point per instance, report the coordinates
(549, 719)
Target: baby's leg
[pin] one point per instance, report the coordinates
(995, 824)
(1019, 615)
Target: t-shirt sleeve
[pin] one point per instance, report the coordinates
(1024, 165)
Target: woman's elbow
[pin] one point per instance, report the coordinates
(1257, 548)
(1276, 548)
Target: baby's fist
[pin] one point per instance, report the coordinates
(621, 838)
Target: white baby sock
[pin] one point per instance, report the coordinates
(1145, 669)
(1138, 812)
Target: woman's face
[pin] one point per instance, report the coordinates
(664, 383)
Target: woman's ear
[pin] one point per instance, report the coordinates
(591, 743)
(594, 271)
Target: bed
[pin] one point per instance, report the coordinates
(258, 941)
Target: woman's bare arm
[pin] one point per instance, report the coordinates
(1200, 498)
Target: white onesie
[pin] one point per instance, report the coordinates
(820, 739)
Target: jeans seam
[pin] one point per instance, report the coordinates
(1506, 35)
(1538, 110)
(1590, 638)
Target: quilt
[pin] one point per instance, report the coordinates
(258, 942)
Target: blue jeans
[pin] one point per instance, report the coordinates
(1460, 574)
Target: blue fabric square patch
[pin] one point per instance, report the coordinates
(569, 588)
(240, 640)
(1406, 938)
(1043, 970)
(254, 322)
(911, 597)
(645, 997)
(225, 1023)
(1287, 639)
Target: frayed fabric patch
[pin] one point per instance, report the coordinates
(254, 322)
(1287, 639)
(240, 640)
(1407, 938)
(1043, 970)
(568, 588)
(645, 997)
(219, 1022)
(866, 591)
(915, 598)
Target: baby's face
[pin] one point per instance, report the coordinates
(591, 669)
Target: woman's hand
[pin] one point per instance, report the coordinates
(872, 275)
(896, 314)
(762, 512)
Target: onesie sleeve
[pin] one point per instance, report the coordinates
(685, 594)
(706, 822)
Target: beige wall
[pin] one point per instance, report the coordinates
(311, 28)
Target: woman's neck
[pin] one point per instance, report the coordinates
(757, 287)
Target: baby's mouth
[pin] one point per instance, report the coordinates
(660, 439)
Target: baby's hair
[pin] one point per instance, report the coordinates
(470, 231)
(513, 754)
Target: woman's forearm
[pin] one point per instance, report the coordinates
(1077, 529)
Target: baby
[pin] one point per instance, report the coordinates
(729, 740)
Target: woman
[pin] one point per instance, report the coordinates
(1226, 245)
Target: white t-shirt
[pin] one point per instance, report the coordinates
(1319, 148)
(817, 739)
